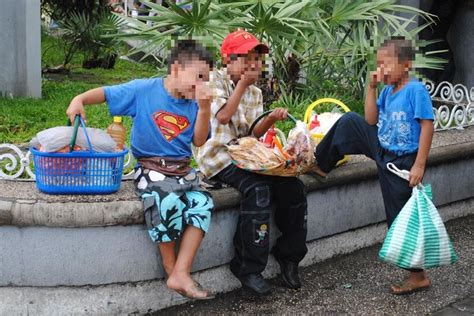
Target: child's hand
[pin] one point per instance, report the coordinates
(75, 107)
(249, 77)
(375, 77)
(204, 95)
(278, 114)
(416, 175)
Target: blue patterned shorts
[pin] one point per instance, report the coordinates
(171, 203)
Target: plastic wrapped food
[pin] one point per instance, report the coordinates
(300, 146)
(326, 121)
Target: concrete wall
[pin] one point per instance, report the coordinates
(20, 48)
(45, 256)
(461, 39)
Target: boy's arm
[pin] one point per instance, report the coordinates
(426, 136)
(93, 96)
(201, 127)
(224, 115)
(370, 108)
(278, 114)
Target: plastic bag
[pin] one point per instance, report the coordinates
(300, 145)
(56, 139)
(326, 121)
(417, 239)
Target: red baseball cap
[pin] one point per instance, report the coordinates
(241, 42)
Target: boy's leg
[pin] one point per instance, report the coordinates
(180, 279)
(396, 192)
(351, 134)
(196, 218)
(290, 217)
(251, 239)
(168, 256)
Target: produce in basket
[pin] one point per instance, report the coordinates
(76, 169)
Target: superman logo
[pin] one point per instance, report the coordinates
(170, 125)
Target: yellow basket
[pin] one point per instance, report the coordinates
(307, 117)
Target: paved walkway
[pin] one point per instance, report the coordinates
(462, 307)
(359, 284)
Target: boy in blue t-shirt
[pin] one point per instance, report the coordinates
(166, 120)
(398, 128)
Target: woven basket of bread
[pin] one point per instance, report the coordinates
(294, 158)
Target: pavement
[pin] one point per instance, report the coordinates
(358, 283)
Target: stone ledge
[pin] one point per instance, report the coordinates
(21, 204)
(147, 296)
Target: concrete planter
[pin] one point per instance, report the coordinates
(85, 251)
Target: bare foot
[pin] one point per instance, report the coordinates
(186, 286)
(316, 170)
(416, 281)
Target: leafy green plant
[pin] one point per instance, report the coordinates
(318, 47)
(92, 36)
(86, 27)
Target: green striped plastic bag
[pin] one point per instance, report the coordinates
(417, 238)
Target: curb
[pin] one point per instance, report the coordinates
(124, 208)
(149, 296)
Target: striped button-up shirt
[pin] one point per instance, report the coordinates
(212, 157)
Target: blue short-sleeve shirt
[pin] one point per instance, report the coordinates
(400, 114)
(163, 126)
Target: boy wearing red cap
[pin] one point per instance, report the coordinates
(238, 102)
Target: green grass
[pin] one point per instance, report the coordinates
(22, 118)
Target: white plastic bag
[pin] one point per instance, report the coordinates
(56, 138)
(326, 121)
(300, 145)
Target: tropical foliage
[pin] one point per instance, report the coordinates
(318, 47)
(85, 27)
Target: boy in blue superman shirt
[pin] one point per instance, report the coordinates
(398, 128)
(166, 120)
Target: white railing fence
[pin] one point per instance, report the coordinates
(456, 105)
(455, 111)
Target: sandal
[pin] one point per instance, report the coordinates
(407, 287)
(191, 292)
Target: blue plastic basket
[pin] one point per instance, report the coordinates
(79, 172)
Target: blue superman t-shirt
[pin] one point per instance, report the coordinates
(399, 114)
(163, 126)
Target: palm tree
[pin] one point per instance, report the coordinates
(324, 44)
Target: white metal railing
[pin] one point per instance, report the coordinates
(456, 109)
(455, 112)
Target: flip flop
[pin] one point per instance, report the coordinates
(407, 288)
(210, 294)
(197, 287)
